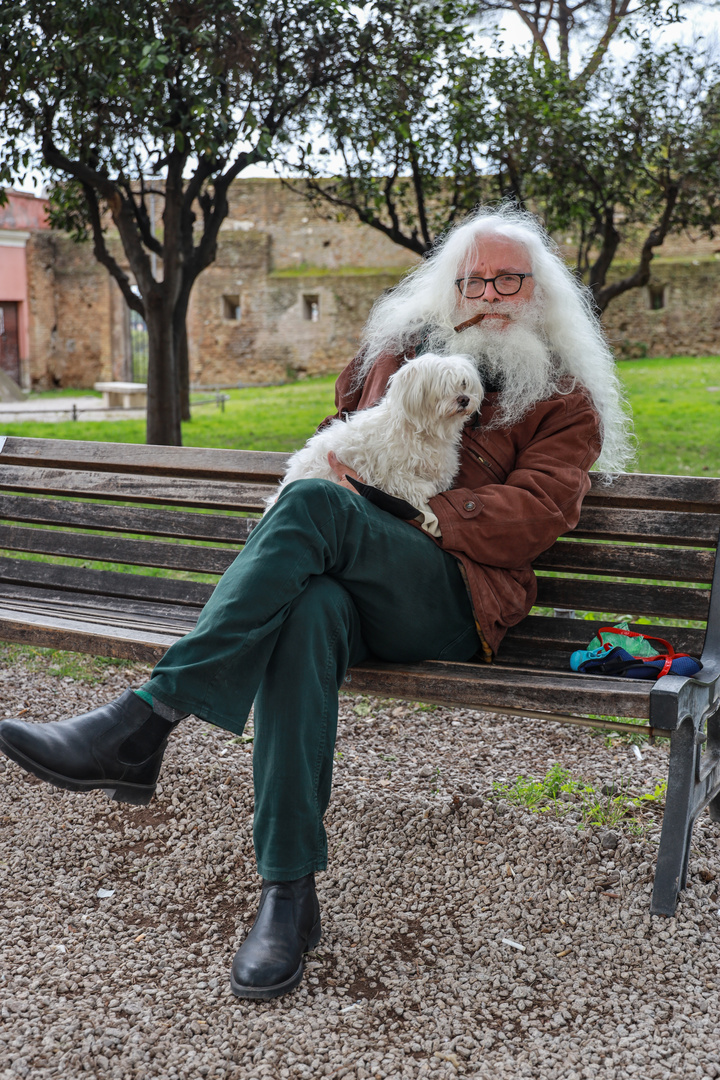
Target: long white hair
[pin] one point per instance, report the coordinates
(426, 301)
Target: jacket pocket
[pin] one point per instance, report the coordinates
(493, 467)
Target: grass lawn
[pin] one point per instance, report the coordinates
(675, 401)
(676, 407)
(266, 418)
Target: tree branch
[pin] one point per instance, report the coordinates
(615, 17)
(103, 255)
(641, 274)
(532, 27)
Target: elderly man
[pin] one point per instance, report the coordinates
(328, 579)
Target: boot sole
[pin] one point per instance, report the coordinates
(134, 794)
(265, 993)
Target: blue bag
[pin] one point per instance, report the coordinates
(619, 661)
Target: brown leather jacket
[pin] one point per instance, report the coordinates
(517, 490)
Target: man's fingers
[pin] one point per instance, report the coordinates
(341, 471)
(335, 465)
(340, 468)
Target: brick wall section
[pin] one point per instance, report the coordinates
(70, 312)
(302, 235)
(687, 325)
(273, 252)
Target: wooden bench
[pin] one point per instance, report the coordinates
(645, 545)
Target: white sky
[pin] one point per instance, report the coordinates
(698, 21)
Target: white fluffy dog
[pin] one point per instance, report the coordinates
(408, 445)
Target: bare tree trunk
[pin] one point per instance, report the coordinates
(181, 351)
(163, 407)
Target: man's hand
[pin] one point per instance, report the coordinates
(341, 471)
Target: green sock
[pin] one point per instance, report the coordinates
(166, 711)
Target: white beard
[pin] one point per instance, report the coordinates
(512, 355)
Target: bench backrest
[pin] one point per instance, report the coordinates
(152, 523)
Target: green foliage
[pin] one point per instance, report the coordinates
(558, 793)
(444, 121)
(147, 101)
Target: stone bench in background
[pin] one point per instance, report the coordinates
(123, 395)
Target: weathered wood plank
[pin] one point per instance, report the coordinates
(569, 634)
(173, 491)
(105, 608)
(178, 461)
(477, 685)
(127, 519)
(637, 489)
(146, 649)
(104, 582)
(175, 622)
(700, 494)
(114, 549)
(620, 598)
(628, 560)
(648, 526)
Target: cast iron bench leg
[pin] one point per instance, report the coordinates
(693, 783)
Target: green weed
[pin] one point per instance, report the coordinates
(558, 793)
(78, 666)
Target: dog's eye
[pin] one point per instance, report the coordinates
(463, 385)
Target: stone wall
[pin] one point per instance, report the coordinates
(678, 314)
(302, 235)
(70, 312)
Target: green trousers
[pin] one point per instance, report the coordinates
(324, 581)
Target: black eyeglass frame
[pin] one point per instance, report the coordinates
(460, 282)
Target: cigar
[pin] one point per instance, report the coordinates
(469, 322)
(477, 319)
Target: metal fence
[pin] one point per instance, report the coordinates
(138, 348)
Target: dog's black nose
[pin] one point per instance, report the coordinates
(463, 401)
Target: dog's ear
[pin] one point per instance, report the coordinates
(409, 393)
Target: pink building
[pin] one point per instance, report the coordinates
(21, 215)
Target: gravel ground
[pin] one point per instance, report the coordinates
(428, 875)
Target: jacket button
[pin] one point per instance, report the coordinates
(469, 505)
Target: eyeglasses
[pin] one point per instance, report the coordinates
(472, 288)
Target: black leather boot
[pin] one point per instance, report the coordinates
(118, 748)
(270, 960)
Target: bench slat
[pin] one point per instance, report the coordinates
(476, 685)
(127, 519)
(655, 491)
(156, 553)
(467, 685)
(104, 582)
(180, 461)
(570, 634)
(167, 624)
(646, 526)
(621, 560)
(178, 491)
(105, 608)
(621, 597)
(56, 633)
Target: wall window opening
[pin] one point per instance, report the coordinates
(656, 297)
(311, 308)
(231, 308)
